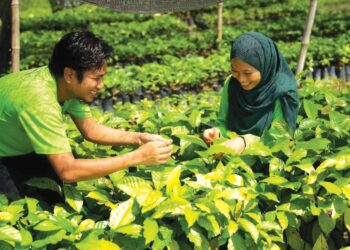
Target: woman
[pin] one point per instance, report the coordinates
(261, 89)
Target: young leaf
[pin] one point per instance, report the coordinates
(250, 228)
(310, 108)
(327, 224)
(321, 243)
(10, 233)
(132, 229)
(44, 183)
(73, 197)
(122, 215)
(150, 229)
(191, 216)
(331, 188)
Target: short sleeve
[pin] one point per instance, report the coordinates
(45, 129)
(76, 108)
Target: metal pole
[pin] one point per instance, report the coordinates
(306, 36)
(15, 43)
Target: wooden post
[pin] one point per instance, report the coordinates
(219, 38)
(15, 44)
(306, 36)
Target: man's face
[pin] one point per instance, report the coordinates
(247, 76)
(91, 83)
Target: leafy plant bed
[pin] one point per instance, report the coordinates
(280, 193)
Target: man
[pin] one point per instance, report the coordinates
(33, 141)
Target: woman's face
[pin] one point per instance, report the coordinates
(247, 76)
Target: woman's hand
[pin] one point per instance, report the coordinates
(237, 144)
(210, 135)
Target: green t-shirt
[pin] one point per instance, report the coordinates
(224, 106)
(31, 118)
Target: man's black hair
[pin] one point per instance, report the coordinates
(81, 51)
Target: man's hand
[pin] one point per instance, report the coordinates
(209, 135)
(146, 137)
(154, 152)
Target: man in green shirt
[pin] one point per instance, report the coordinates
(33, 139)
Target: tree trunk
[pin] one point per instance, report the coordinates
(5, 35)
(220, 8)
(306, 36)
(15, 42)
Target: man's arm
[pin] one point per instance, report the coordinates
(70, 169)
(100, 134)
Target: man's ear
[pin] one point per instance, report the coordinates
(69, 74)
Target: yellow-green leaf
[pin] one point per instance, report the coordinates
(122, 215)
(150, 229)
(191, 216)
(331, 188)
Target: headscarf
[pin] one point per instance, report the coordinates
(251, 111)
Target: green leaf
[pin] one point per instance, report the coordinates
(275, 180)
(47, 225)
(210, 223)
(50, 239)
(103, 244)
(223, 207)
(73, 197)
(90, 242)
(86, 225)
(150, 229)
(3, 200)
(99, 195)
(122, 215)
(191, 216)
(232, 227)
(219, 148)
(9, 233)
(310, 108)
(173, 185)
(321, 243)
(270, 196)
(174, 206)
(133, 230)
(306, 167)
(27, 238)
(327, 224)
(129, 184)
(331, 188)
(198, 239)
(236, 242)
(193, 139)
(347, 217)
(152, 200)
(250, 228)
(315, 144)
(44, 183)
(294, 239)
(283, 220)
(195, 118)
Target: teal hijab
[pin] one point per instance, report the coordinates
(250, 112)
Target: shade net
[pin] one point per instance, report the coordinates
(153, 6)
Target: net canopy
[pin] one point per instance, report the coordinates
(152, 6)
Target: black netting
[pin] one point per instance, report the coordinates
(152, 6)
